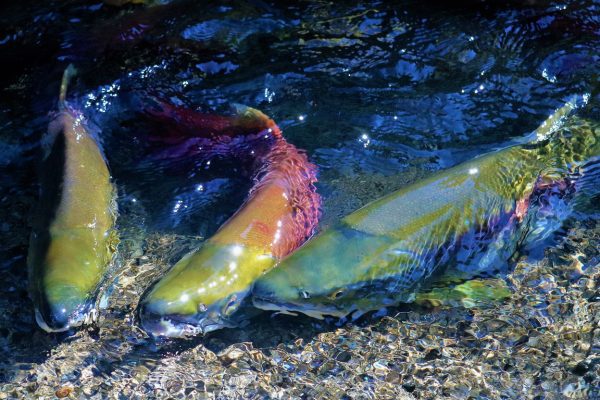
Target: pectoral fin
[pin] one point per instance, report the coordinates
(469, 294)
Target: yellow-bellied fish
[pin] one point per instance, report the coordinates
(73, 240)
(203, 290)
(381, 254)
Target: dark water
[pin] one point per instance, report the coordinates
(379, 95)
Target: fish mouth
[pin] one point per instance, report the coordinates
(269, 304)
(181, 326)
(170, 327)
(158, 319)
(57, 319)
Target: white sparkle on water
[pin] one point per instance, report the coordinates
(177, 206)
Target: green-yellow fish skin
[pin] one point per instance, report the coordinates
(379, 255)
(204, 290)
(73, 241)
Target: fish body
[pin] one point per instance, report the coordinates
(381, 254)
(204, 289)
(73, 241)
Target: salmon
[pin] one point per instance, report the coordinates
(204, 290)
(474, 214)
(73, 238)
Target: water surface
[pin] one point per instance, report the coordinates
(379, 95)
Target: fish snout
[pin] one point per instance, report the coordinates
(52, 321)
(265, 296)
(61, 314)
(158, 323)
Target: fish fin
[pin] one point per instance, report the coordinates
(57, 125)
(113, 240)
(556, 201)
(469, 294)
(545, 217)
(179, 122)
(69, 73)
(555, 121)
(357, 314)
(285, 312)
(181, 133)
(313, 314)
(245, 111)
(249, 116)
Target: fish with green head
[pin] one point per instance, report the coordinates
(203, 291)
(472, 216)
(73, 241)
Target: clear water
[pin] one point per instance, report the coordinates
(379, 96)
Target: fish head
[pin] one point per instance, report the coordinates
(63, 295)
(203, 291)
(62, 308)
(283, 293)
(327, 276)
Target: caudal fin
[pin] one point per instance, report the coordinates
(69, 73)
(555, 121)
(177, 132)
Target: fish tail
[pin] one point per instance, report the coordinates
(184, 132)
(69, 73)
(248, 115)
(565, 141)
(555, 121)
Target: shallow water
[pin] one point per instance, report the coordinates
(379, 96)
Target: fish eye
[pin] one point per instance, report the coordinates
(230, 304)
(305, 294)
(202, 307)
(337, 294)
